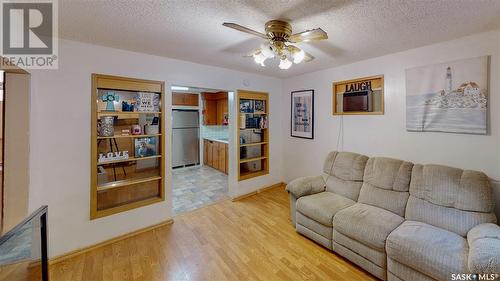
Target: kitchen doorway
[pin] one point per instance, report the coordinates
(14, 147)
(200, 147)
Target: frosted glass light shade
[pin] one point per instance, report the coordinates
(299, 56)
(285, 64)
(259, 58)
(267, 51)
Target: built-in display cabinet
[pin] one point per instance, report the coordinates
(128, 144)
(253, 134)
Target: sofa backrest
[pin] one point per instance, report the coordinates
(385, 184)
(450, 198)
(343, 173)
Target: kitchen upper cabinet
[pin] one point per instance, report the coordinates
(210, 112)
(215, 108)
(215, 155)
(186, 99)
(222, 111)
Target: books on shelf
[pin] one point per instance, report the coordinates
(252, 106)
(253, 122)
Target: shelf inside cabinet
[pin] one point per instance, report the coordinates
(246, 160)
(125, 113)
(253, 144)
(247, 175)
(116, 184)
(128, 136)
(254, 113)
(130, 159)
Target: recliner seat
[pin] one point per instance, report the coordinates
(319, 198)
(445, 203)
(361, 230)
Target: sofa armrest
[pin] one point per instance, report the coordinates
(306, 186)
(484, 248)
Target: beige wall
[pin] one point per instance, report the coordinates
(15, 170)
(386, 135)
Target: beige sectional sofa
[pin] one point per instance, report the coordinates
(397, 220)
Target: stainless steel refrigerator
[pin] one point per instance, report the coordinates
(185, 138)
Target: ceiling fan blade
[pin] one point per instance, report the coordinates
(251, 53)
(308, 57)
(308, 35)
(245, 29)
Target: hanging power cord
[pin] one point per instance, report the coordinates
(340, 137)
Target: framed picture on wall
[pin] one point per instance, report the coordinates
(448, 97)
(302, 111)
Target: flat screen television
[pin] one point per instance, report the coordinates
(23, 250)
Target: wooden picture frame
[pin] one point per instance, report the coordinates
(302, 107)
(374, 100)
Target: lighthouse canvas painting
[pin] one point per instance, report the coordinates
(448, 97)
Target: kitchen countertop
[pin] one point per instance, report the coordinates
(226, 141)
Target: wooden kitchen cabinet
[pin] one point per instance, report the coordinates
(215, 155)
(226, 152)
(185, 99)
(210, 112)
(221, 111)
(215, 108)
(222, 157)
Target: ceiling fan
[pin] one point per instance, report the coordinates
(279, 39)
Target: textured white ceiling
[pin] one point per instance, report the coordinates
(192, 30)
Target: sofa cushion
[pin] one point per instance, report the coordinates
(349, 189)
(388, 173)
(450, 198)
(319, 228)
(451, 219)
(451, 187)
(345, 165)
(321, 207)
(344, 173)
(433, 251)
(366, 224)
(386, 184)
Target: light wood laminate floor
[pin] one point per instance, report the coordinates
(251, 239)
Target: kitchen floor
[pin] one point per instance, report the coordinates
(195, 187)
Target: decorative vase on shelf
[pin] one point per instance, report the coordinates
(107, 128)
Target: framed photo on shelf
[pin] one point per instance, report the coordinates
(145, 147)
(246, 106)
(302, 114)
(259, 106)
(147, 102)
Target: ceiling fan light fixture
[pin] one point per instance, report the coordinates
(285, 64)
(267, 51)
(299, 56)
(259, 58)
(278, 42)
